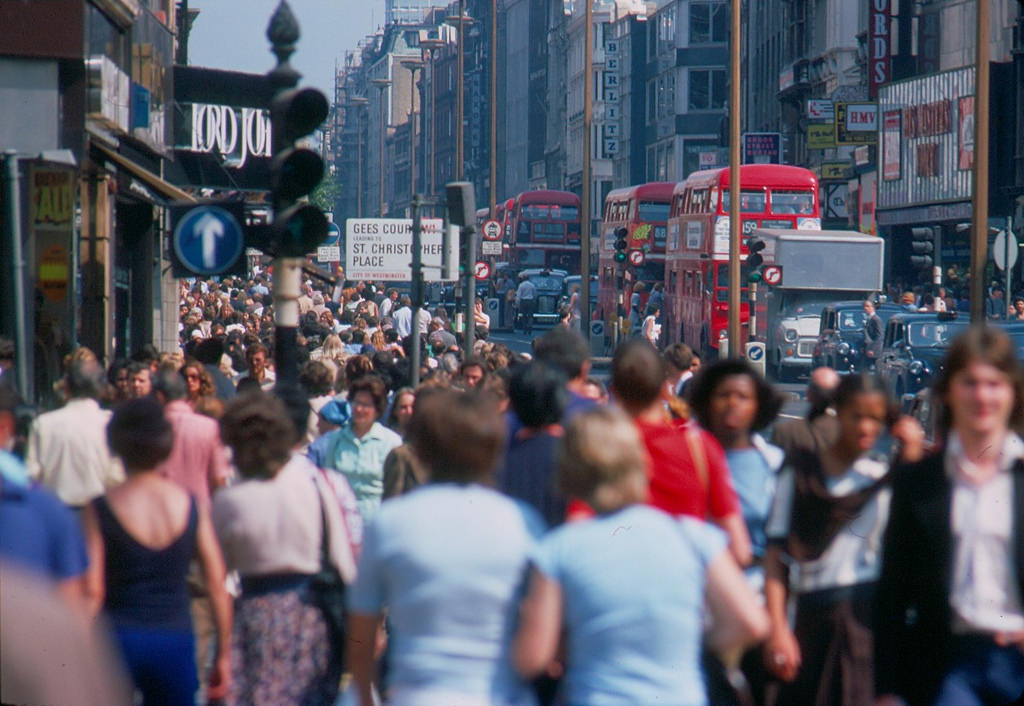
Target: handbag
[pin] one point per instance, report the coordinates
(328, 588)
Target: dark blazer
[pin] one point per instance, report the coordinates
(913, 619)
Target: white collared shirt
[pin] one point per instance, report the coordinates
(68, 453)
(854, 556)
(985, 596)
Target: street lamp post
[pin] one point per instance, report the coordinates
(413, 66)
(382, 86)
(493, 177)
(459, 21)
(586, 189)
(358, 104)
(429, 45)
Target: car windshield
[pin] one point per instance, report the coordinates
(851, 319)
(934, 334)
(546, 282)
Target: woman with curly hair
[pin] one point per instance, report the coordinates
(271, 526)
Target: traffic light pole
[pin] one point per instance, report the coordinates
(417, 287)
(283, 33)
(298, 226)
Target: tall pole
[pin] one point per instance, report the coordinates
(428, 47)
(413, 67)
(283, 33)
(417, 286)
(13, 196)
(493, 179)
(734, 183)
(382, 85)
(459, 97)
(359, 163)
(588, 99)
(979, 234)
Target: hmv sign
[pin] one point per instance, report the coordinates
(237, 134)
(880, 44)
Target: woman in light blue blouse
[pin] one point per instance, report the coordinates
(629, 587)
(358, 449)
(446, 562)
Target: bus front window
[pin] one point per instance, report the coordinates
(750, 201)
(793, 202)
(654, 212)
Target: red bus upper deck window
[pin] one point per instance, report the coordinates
(750, 201)
(792, 202)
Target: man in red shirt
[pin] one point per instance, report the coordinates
(688, 472)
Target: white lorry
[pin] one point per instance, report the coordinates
(803, 271)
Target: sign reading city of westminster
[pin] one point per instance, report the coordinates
(234, 133)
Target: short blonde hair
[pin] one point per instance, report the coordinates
(603, 460)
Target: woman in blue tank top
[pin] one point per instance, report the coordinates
(141, 536)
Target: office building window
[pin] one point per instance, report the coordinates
(708, 89)
(709, 22)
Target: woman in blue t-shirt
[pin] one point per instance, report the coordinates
(628, 588)
(733, 401)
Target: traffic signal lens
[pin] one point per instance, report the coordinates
(298, 112)
(300, 229)
(620, 256)
(755, 260)
(296, 172)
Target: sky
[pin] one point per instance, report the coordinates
(231, 34)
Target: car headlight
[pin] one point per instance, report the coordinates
(790, 334)
(843, 349)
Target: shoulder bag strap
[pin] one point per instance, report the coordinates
(699, 454)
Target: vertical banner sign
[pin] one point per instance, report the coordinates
(891, 145)
(879, 45)
(965, 131)
(52, 223)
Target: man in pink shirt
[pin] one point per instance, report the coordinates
(199, 463)
(198, 460)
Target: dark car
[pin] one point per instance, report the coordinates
(550, 285)
(913, 350)
(840, 343)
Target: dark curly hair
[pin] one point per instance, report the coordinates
(260, 433)
(711, 376)
(373, 386)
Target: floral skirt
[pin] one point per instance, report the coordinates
(281, 653)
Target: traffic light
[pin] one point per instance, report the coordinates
(620, 244)
(461, 202)
(755, 260)
(298, 226)
(922, 244)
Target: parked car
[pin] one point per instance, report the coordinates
(550, 284)
(793, 338)
(840, 342)
(913, 350)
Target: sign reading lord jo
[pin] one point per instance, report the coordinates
(381, 249)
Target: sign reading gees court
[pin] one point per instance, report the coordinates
(381, 248)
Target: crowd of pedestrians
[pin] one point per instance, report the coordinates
(513, 530)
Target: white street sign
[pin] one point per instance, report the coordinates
(999, 250)
(381, 249)
(821, 110)
(328, 253)
(490, 248)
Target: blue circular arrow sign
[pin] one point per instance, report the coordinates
(208, 240)
(333, 234)
(755, 353)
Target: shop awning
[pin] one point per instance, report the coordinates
(149, 178)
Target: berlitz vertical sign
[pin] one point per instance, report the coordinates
(879, 45)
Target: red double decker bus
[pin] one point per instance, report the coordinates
(643, 212)
(697, 251)
(544, 230)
